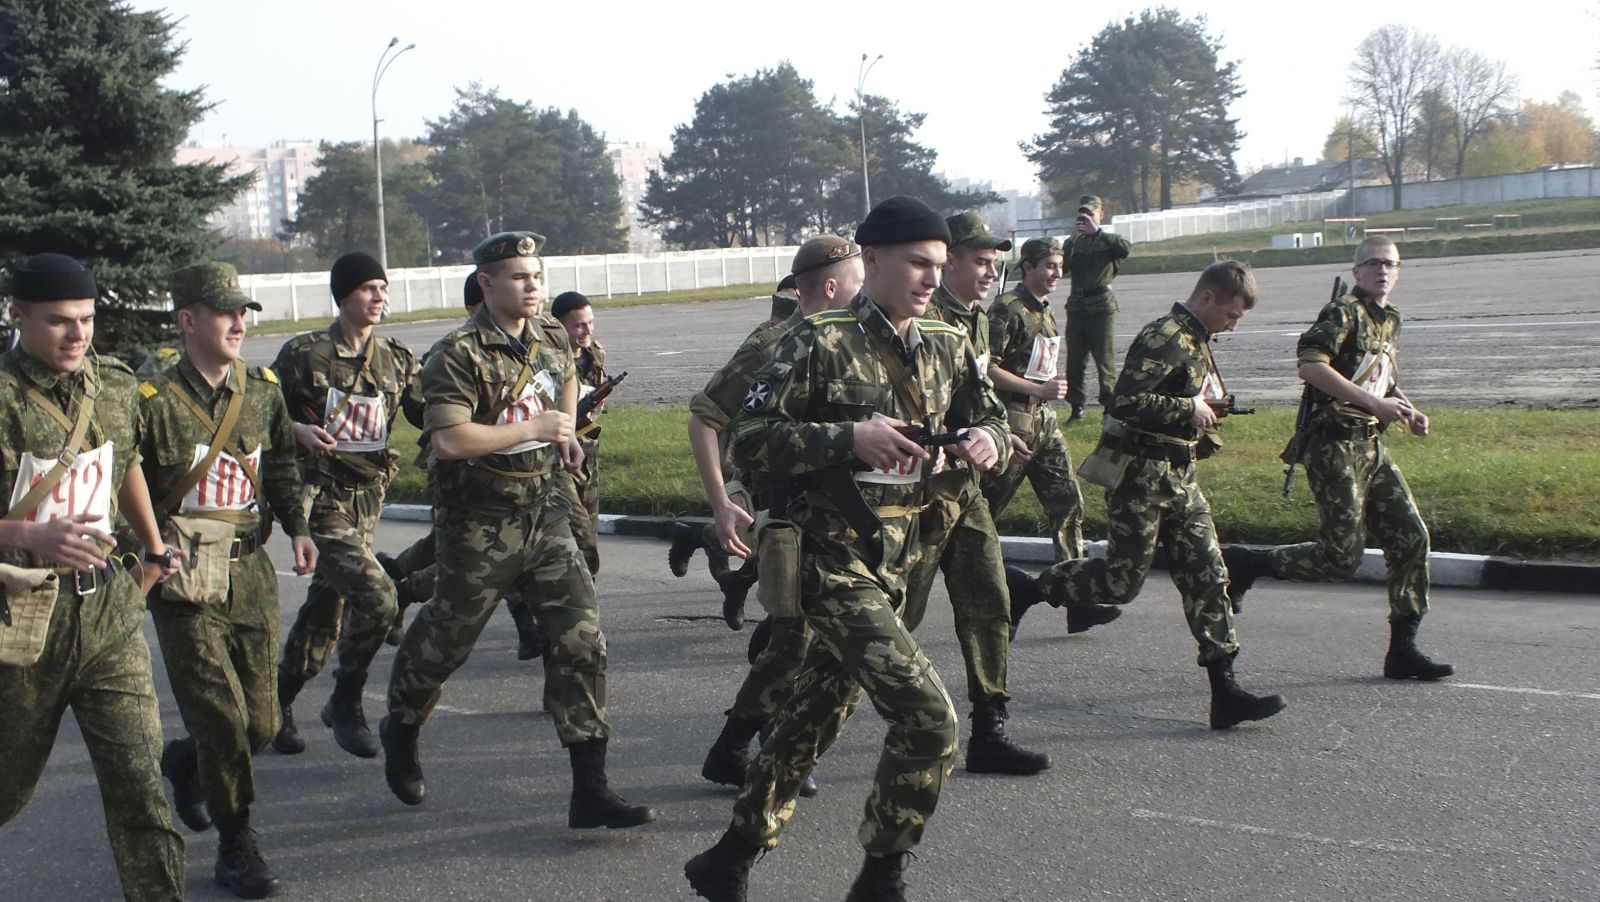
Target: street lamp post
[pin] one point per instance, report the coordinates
(861, 112)
(384, 62)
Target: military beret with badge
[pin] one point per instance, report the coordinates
(823, 250)
(507, 245)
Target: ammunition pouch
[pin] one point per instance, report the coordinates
(31, 595)
(778, 549)
(209, 546)
(1105, 465)
(1024, 424)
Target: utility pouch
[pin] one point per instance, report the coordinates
(1105, 466)
(1210, 443)
(30, 594)
(1023, 424)
(778, 575)
(207, 544)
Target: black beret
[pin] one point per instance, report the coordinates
(472, 292)
(901, 220)
(789, 283)
(52, 277)
(351, 272)
(566, 302)
(506, 245)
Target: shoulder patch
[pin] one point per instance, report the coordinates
(934, 327)
(842, 315)
(264, 373)
(147, 389)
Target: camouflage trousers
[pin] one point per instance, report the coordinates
(958, 537)
(1157, 502)
(770, 682)
(351, 600)
(1049, 471)
(583, 496)
(480, 557)
(1359, 489)
(96, 662)
(425, 580)
(1090, 334)
(219, 659)
(850, 595)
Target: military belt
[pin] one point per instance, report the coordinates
(1096, 292)
(243, 546)
(1179, 455)
(1348, 432)
(79, 584)
(820, 499)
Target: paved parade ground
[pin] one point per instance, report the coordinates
(1481, 787)
(1520, 328)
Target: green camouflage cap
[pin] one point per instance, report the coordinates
(821, 251)
(505, 245)
(1036, 249)
(1090, 203)
(969, 229)
(215, 285)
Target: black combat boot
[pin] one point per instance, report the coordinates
(1407, 662)
(240, 867)
(1231, 705)
(344, 715)
(722, 872)
(179, 765)
(1081, 617)
(287, 741)
(686, 538)
(991, 751)
(1245, 566)
(1077, 413)
(759, 638)
(735, 589)
(593, 803)
(530, 636)
(400, 765)
(1025, 593)
(882, 879)
(729, 759)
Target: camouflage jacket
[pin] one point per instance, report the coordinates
(34, 440)
(1360, 339)
(1092, 262)
(590, 365)
(798, 417)
(468, 379)
(719, 402)
(1016, 318)
(1168, 364)
(316, 370)
(972, 321)
(173, 440)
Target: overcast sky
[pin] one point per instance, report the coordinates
(293, 69)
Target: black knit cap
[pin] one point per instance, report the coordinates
(566, 302)
(351, 272)
(472, 292)
(52, 277)
(901, 220)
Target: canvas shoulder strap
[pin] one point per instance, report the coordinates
(221, 437)
(76, 432)
(365, 372)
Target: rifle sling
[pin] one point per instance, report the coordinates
(221, 437)
(900, 379)
(77, 430)
(364, 372)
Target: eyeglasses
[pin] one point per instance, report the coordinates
(1379, 263)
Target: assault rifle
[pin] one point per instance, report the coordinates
(1229, 406)
(587, 405)
(926, 437)
(1296, 449)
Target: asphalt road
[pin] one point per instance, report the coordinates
(1483, 787)
(1513, 329)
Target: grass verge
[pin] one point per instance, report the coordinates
(1507, 482)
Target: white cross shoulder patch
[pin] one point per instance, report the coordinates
(756, 399)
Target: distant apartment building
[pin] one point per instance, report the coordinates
(634, 162)
(281, 173)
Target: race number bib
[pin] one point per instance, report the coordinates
(1376, 373)
(528, 405)
(1042, 362)
(85, 489)
(363, 425)
(224, 487)
(1211, 389)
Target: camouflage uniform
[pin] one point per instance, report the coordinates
(958, 536)
(583, 488)
(1158, 497)
(493, 532)
(220, 656)
(1356, 485)
(1016, 320)
(95, 659)
(1092, 261)
(771, 678)
(351, 600)
(827, 375)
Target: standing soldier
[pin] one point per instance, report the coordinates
(343, 385)
(957, 534)
(1093, 256)
(1350, 359)
(1164, 418)
(501, 392)
(70, 622)
(828, 273)
(824, 415)
(217, 441)
(582, 489)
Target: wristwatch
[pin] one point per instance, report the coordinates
(164, 558)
